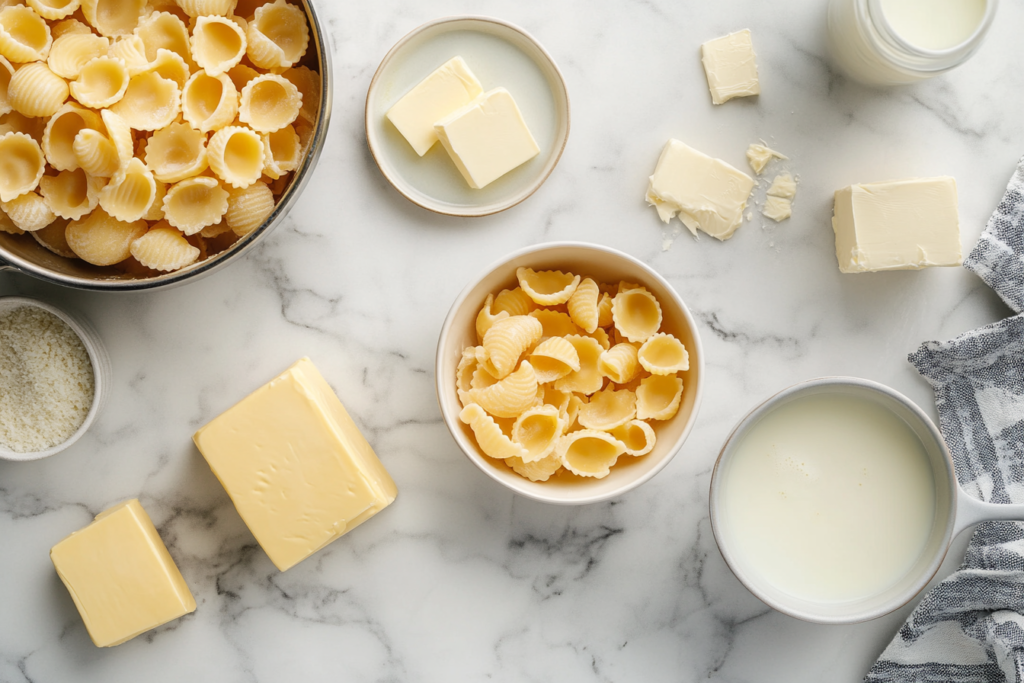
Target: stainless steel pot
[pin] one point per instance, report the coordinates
(23, 254)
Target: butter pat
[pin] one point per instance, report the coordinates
(450, 87)
(705, 193)
(121, 576)
(487, 138)
(730, 66)
(295, 465)
(897, 225)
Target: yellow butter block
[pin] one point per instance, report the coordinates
(121, 576)
(295, 465)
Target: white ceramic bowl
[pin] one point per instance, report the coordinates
(500, 54)
(604, 265)
(100, 368)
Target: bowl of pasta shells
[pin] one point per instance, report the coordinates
(146, 142)
(569, 372)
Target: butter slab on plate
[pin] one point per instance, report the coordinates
(500, 55)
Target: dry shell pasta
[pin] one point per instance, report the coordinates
(95, 153)
(658, 397)
(242, 74)
(68, 26)
(663, 354)
(608, 409)
(514, 302)
(60, 132)
(171, 66)
(131, 51)
(555, 323)
(281, 152)
(195, 203)
(582, 305)
(176, 152)
(277, 36)
(53, 238)
(554, 358)
(547, 287)
(248, 208)
(486, 318)
(120, 133)
(269, 103)
(209, 102)
(102, 240)
(150, 102)
(29, 212)
(24, 35)
(71, 194)
(506, 340)
(637, 436)
(101, 82)
(620, 363)
(218, 44)
(492, 441)
(199, 8)
(6, 72)
(34, 90)
(511, 396)
(164, 31)
(637, 314)
(589, 453)
(54, 9)
(537, 430)
(72, 51)
(541, 470)
(130, 192)
(164, 248)
(113, 17)
(235, 154)
(588, 378)
(21, 165)
(308, 83)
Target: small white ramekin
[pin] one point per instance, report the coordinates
(101, 371)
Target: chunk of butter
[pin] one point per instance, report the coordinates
(729, 63)
(706, 193)
(897, 225)
(758, 156)
(295, 465)
(777, 208)
(487, 138)
(450, 87)
(121, 576)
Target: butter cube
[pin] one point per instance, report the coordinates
(487, 138)
(295, 465)
(121, 576)
(450, 87)
(706, 193)
(897, 225)
(729, 63)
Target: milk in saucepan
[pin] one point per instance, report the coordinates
(829, 498)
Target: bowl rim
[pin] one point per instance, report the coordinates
(451, 419)
(380, 158)
(100, 368)
(320, 39)
(768, 405)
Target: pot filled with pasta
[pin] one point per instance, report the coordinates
(146, 143)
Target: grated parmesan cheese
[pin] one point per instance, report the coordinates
(46, 380)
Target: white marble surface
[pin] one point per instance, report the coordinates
(459, 580)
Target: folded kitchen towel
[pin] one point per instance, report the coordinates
(970, 627)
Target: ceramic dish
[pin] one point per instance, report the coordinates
(605, 265)
(500, 54)
(24, 254)
(100, 368)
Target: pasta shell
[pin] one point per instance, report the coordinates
(217, 230)
(21, 165)
(637, 314)
(95, 153)
(506, 340)
(195, 203)
(514, 302)
(176, 152)
(34, 90)
(464, 374)
(31, 126)
(602, 338)
(242, 74)
(489, 437)
(60, 132)
(663, 354)
(589, 453)
(588, 378)
(131, 51)
(171, 66)
(583, 305)
(510, 396)
(156, 209)
(53, 238)
(71, 194)
(150, 102)
(24, 35)
(269, 103)
(658, 397)
(164, 249)
(604, 311)
(637, 436)
(113, 17)
(277, 36)
(164, 31)
(8, 226)
(72, 51)
(209, 102)
(102, 240)
(6, 72)
(101, 82)
(120, 133)
(235, 154)
(308, 83)
(68, 26)
(486, 318)
(541, 470)
(249, 208)
(282, 152)
(553, 359)
(555, 323)
(28, 211)
(537, 430)
(200, 8)
(547, 287)
(130, 192)
(619, 363)
(54, 9)
(218, 44)
(608, 409)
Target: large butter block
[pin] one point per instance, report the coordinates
(487, 138)
(295, 465)
(121, 576)
(731, 67)
(897, 225)
(450, 87)
(706, 193)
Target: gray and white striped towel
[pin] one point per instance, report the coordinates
(970, 627)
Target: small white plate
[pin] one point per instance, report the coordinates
(500, 54)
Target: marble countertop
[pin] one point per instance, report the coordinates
(460, 580)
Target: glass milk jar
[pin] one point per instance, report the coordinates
(892, 42)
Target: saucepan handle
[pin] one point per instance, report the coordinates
(971, 511)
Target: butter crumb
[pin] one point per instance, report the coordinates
(777, 208)
(783, 186)
(760, 155)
